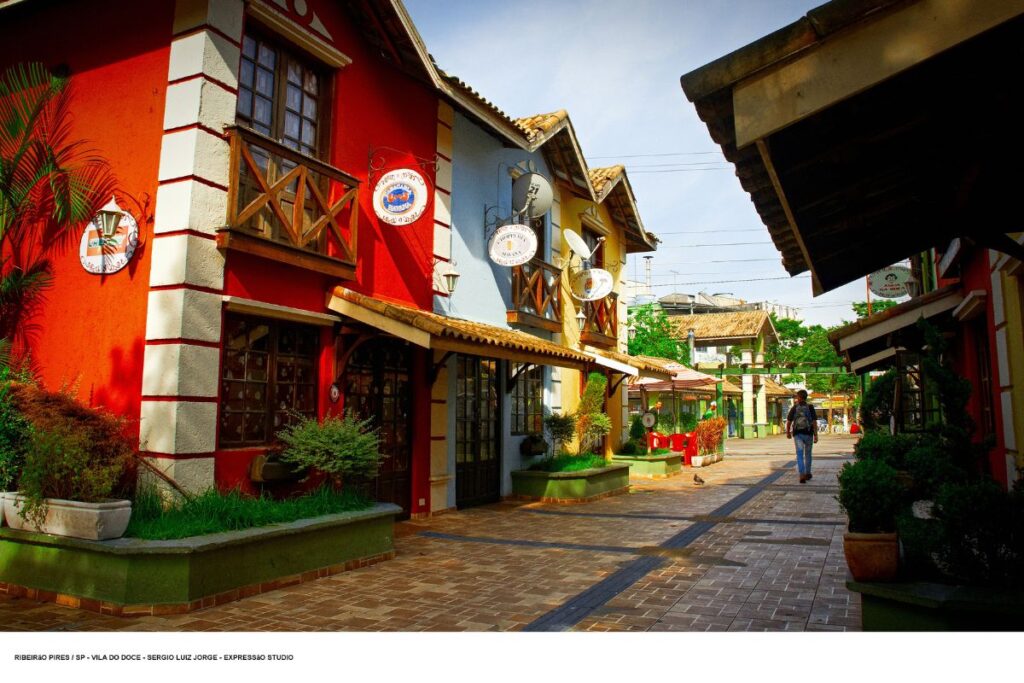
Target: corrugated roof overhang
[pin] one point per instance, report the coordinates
(433, 331)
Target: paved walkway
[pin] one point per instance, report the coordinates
(751, 549)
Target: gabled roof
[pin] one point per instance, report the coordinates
(725, 327)
(612, 184)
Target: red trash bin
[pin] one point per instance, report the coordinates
(678, 442)
(691, 448)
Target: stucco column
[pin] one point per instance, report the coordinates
(762, 404)
(747, 382)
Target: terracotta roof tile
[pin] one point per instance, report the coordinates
(601, 177)
(538, 124)
(715, 326)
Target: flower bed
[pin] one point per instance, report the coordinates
(655, 466)
(571, 487)
(134, 577)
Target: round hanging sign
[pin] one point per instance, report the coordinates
(400, 196)
(105, 255)
(889, 283)
(592, 284)
(649, 420)
(512, 245)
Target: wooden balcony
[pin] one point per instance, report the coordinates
(602, 325)
(537, 296)
(289, 207)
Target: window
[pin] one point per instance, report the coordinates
(280, 95)
(596, 246)
(528, 400)
(268, 376)
(984, 388)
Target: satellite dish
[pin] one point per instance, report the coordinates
(592, 284)
(576, 243)
(531, 193)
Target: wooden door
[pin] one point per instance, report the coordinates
(477, 432)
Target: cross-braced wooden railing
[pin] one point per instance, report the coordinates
(286, 199)
(602, 324)
(537, 296)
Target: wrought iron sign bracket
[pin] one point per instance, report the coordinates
(379, 158)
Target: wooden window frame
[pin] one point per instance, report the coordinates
(274, 354)
(523, 418)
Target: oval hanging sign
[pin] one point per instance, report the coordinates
(512, 245)
(102, 255)
(889, 283)
(531, 193)
(400, 196)
(592, 284)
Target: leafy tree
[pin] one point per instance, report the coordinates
(803, 345)
(50, 184)
(877, 306)
(655, 335)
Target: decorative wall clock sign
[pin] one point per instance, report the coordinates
(513, 245)
(400, 197)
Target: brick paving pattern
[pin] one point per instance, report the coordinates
(658, 559)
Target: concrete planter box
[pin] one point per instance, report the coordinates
(705, 460)
(938, 607)
(133, 577)
(72, 518)
(652, 466)
(571, 487)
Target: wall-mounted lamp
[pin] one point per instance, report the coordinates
(631, 331)
(110, 218)
(451, 278)
(581, 317)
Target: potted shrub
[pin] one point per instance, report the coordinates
(343, 448)
(561, 429)
(14, 435)
(591, 422)
(871, 495)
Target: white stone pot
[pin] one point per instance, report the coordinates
(2, 515)
(92, 521)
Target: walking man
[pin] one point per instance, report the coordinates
(801, 426)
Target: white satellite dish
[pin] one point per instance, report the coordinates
(592, 284)
(576, 243)
(531, 193)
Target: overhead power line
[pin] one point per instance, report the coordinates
(659, 233)
(719, 282)
(712, 244)
(658, 154)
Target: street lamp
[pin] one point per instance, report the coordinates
(581, 318)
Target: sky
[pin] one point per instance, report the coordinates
(615, 66)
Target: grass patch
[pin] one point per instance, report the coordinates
(213, 512)
(569, 463)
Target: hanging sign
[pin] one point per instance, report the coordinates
(889, 283)
(512, 245)
(400, 197)
(592, 284)
(649, 420)
(531, 193)
(105, 255)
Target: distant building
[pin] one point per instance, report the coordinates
(679, 303)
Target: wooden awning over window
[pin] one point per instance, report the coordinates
(433, 331)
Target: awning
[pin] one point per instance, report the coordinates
(871, 342)
(631, 366)
(441, 333)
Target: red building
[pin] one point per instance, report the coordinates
(247, 139)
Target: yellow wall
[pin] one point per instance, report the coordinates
(1013, 303)
(575, 213)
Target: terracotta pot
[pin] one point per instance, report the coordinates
(871, 557)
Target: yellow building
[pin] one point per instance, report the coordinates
(1008, 314)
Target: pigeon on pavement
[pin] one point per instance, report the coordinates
(697, 480)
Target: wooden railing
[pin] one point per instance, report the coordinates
(287, 206)
(602, 324)
(537, 296)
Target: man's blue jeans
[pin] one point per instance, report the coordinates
(804, 444)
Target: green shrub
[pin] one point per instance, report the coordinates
(15, 432)
(637, 431)
(341, 447)
(561, 429)
(919, 539)
(666, 423)
(628, 448)
(887, 448)
(61, 463)
(687, 422)
(871, 496)
(591, 421)
(213, 512)
(931, 466)
(569, 463)
(981, 529)
(876, 405)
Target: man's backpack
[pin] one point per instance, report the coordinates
(802, 419)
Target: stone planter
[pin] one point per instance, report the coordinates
(872, 557)
(924, 606)
(571, 487)
(652, 466)
(134, 577)
(92, 521)
(3, 516)
(705, 460)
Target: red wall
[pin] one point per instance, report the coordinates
(975, 275)
(91, 328)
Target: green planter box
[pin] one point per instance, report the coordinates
(937, 607)
(652, 466)
(192, 572)
(571, 487)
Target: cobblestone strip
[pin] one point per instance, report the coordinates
(530, 544)
(684, 518)
(578, 608)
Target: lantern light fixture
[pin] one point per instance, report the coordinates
(581, 317)
(110, 218)
(631, 330)
(451, 279)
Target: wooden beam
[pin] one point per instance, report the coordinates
(239, 305)
(858, 58)
(490, 351)
(381, 322)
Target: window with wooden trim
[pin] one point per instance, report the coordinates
(987, 423)
(528, 400)
(268, 378)
(281, 95)
(596, 245)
